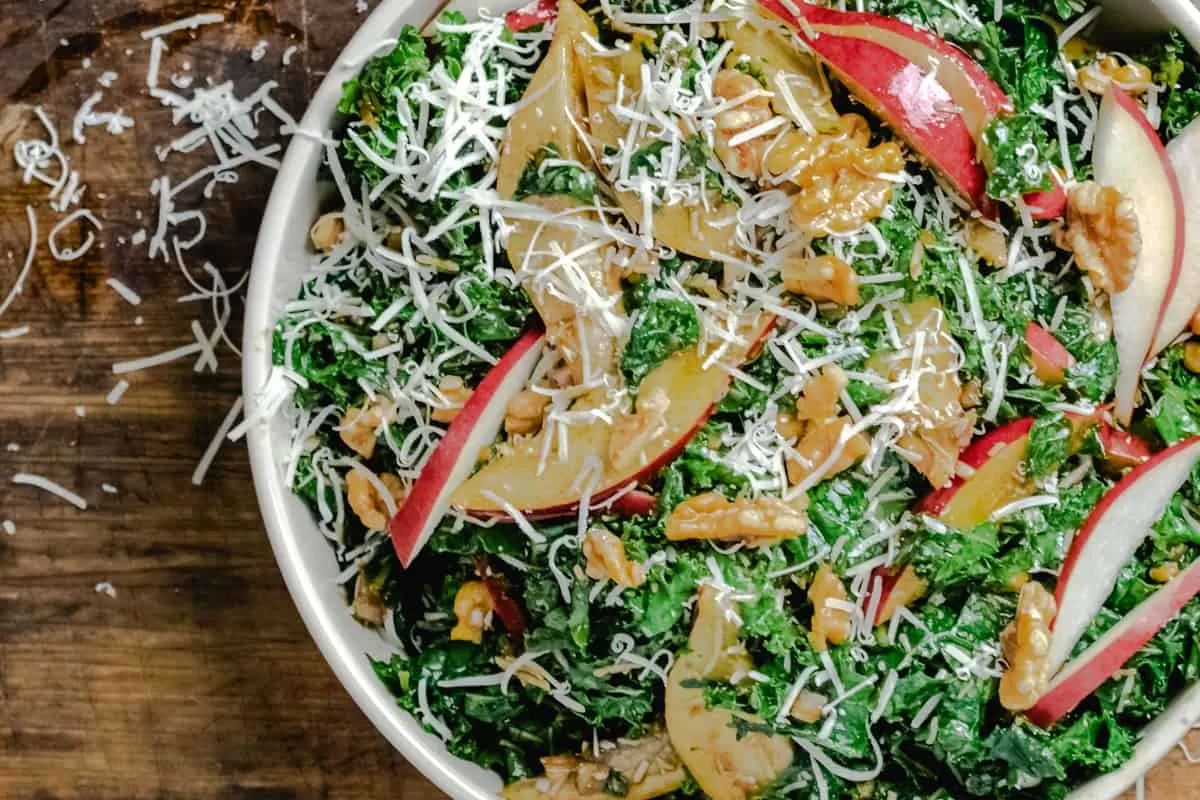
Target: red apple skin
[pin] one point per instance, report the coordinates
(974, 456)
(1131, 479)
(1129, 376)
(536, 12)
(635, 504)
(644, 503)
(1050, 359)
(1048, 205)
(1123, 449)
(1102, 660)
(413, 521)
(829, 20)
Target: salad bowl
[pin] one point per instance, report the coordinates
(303, 553)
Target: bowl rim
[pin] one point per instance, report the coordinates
(327, 625)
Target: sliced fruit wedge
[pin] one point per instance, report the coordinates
(726, 763)
(1100, 662)
(996, 466)
(537, 12)
(996, 461)
(543, 479)
(702, 231)
(1131, 158)
(910, 80)
(1182, 303)
(1109, 538)
(978, 98)
(475, 427)
(1050, 359)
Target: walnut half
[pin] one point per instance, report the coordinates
(1103, 233)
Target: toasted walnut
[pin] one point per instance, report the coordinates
(821, 439)
(757, 521)
(1165, 572)
(1133, 77)
(1026, 646)
(606, 560)
(831, 624)
(473, 606)
(988, 242)
(364, 500)
(936, 426)
(808, 707)
(789, 427)
(1102, 231)
(840, 178)
(1191, 356)
(327, 231)
(753, 107)
(634, 431)
(822, 395)
(908, 589)
(368, 607)
(524, 413)
(821, 278)
(359, 426)
(455, 394)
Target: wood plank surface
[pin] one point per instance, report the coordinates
(197, 679)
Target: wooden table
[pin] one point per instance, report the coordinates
(197, 679)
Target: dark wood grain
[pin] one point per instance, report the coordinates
(197, 680)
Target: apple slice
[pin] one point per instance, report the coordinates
(537, 12)
(997, 460)
(972, 91)
(908, 95)
(1122, 449)
(1050, 359)
(543, 479)
(1109, 538)
(475, 427)
(1130, 158)
(1050, 204)
(1184, 152)
(1110, 652)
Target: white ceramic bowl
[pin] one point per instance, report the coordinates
(303, 553)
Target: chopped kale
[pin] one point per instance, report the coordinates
(548, 174)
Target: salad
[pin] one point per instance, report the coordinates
(763, 399)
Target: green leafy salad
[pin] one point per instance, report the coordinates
(763, 399)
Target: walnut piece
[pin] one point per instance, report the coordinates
(1102, 231)
(821, 439)
(327, 231)
(524, 413)
(364, 500)
(819, 431)
(988, 242)
(473, 606)
(634, 431)
(826, 278)
(808, 707)
(606, 560)
(1026, 646)
(755, 521)
(358, 427)
(830, 623)
(455, 394)
(752, 107)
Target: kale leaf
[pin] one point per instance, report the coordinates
(558, 177)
